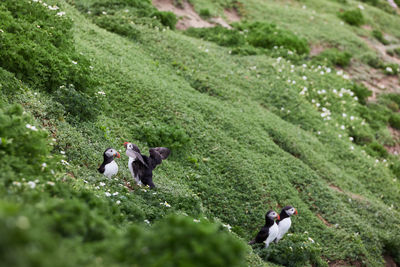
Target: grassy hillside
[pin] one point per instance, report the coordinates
(251, 128)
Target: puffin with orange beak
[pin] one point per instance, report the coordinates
(284, 222)
(269, 231)
(109, 167)
(141, 166)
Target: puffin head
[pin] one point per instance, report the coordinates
(131, 146)
(290, 210)
(272, 215)
(111, 153)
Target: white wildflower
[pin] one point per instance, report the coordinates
(196, 221)
(17, 183)
(165, 203)
(64, 162)
(389, 69)
(74, 62)
(304, 78)
(312, 241)
(102, 184)
(118, 202)
(44, 165)
(32, 184)
(108, 194)
(50, 183)
(360, 7)
(147, 221)
(60, 14)
(115, 194)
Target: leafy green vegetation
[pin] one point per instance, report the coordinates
(379, 36)
(251, 126)
(353, 17)
(334, 57)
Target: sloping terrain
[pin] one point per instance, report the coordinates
(251, 128)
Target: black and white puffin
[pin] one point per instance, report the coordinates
(269, 231)
(285, 222)
(109, 167)
(141, 166)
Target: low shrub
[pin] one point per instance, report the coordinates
(24, 147)
(183, 243)
(220, 35)
(78, 105)
(171, 136)
(373, 60)
(334, 56)
(205, 13)
(379, 36)
(353, 17)
(267, 35)
(376, 150)
(394, 121)
(361, 92)
(166, 18)
(391, 69)
(295, 250)
(37, 46)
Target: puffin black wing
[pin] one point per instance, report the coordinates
(102, 168)
(262, 235)
(134, 154)
(163, 151)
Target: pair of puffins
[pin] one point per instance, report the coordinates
(275, 230)
(140, 166)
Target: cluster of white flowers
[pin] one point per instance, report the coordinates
(31, 127)
(227, 226)
(101, 93)
(165, 203)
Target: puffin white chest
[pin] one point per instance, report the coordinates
(272, 234)
(130, 165)
(111, 169)
(284, 226)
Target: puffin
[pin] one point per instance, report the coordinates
(284, 222)
(141, 166)
(109, 168)
(269, 231)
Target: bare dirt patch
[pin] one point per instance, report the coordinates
(375, 80)
(341, 263)
(187, 16)
(350, 194)
(232, 15)
(395, 149)
(316, 49)
(389, 262)
(381, 49)
(323, 220)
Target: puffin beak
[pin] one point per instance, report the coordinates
(125, 144)
(279, 217)
(117, 155)
(295, 212)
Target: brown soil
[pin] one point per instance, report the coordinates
(389, 262)
(317, 49)
(341, 263)
(381, 49)
(350, 194)
(375, 80)
(189, 18)
(232, 15)
(323, 220)
(396, 137)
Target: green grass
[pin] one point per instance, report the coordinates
(246, 136)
